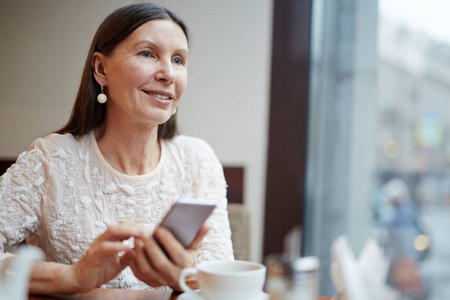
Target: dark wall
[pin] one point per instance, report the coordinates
(286, 165)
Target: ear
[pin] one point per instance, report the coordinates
(99, 69)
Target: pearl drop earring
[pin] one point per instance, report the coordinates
(101, 98)
(174, 111)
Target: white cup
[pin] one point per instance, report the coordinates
(225, 280)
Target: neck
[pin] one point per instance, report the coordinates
(132, 151)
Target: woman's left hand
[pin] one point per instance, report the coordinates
(156, 268)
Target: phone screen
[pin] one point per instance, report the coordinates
(185, 218)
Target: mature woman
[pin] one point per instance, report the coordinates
(92, 194)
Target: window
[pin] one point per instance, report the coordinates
(379, 128)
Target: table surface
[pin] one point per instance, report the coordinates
(116, 294)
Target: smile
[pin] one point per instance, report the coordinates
(159, 96)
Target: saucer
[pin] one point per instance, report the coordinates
(196, 296)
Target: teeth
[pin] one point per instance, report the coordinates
(164, 97)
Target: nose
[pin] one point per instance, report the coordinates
(166, 71)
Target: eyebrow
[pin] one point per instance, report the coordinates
(154, 45)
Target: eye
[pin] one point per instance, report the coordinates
(178, 60)
(146, 54)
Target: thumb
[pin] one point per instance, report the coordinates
(199, 237)
(127, 258)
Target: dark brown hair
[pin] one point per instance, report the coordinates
(87, 113)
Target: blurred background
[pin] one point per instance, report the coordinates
(337, 110)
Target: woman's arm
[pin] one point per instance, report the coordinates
(106, 258)
(49, 278)
(211, 185)
(21, 188)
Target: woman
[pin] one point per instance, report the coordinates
(109, 176)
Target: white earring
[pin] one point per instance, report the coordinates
(174, 111)
(101, 98)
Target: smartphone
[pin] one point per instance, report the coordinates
(185, 218)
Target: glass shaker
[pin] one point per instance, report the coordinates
(290, 276)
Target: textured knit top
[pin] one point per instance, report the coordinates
(63, 193)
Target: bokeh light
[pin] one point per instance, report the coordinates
(421, 242)
(391, 148)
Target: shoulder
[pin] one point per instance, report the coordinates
(54, 146)
(41, 154)
(191, 144)
(57, 142)
(191, 150)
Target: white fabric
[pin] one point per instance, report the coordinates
(64, 192)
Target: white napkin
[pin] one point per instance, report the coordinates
(362, 279)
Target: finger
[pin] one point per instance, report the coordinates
(169, 242)
(105, 248)
(125, 230)
(199, 237)
(142, 268)
(142, 263)
(155, 253)
(127, 258)
(152, 278)
(160, 262)
(175, 250)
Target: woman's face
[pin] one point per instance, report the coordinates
(147, 73)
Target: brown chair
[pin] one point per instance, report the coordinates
(5, 164)
(240, 230)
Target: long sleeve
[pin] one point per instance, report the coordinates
(210, 184)
(217, 244)
(21, 189)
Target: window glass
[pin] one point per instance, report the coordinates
(379, 138)
(412, 204)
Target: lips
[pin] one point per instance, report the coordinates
(160, 95)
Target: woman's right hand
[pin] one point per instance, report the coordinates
(158, 267)
(106, 257)
(102, 261)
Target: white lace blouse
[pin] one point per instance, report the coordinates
(64, 193)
